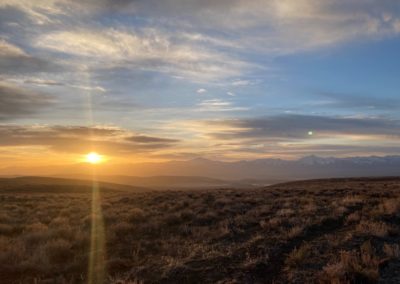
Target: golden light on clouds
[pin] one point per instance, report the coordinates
(93, 158)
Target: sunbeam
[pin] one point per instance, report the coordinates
(97, 254)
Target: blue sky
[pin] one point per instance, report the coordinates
(176, 79)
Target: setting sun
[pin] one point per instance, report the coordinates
(93, 158)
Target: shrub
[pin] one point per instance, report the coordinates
(391, 206)
(209, 199)
(173, 219)
(285, 212)
(187, 215)
(295, 231)
(11, 253)
(351, 200)
(58, 251)
(353, 217)
(35, 233)
(122, 228)
(264, 224)
(59, 222)
(378, 229)
(275, 222)
(353, 267)
(136, 215)
(392, 251)
(5, 218)
(298, 256)
(6, 229)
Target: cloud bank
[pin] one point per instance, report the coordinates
(82, 139)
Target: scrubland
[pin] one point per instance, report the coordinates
(323, 231)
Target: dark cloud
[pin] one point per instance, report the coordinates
(149, 139)
(16, 102)
(176, 155)
(298, 126)
(85, 131)
(108, 5)
(78, 139)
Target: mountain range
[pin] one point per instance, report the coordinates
(261, 169)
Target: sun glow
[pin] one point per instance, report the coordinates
(93, 158)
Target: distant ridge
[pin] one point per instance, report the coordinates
(37, 184)
(308, 182)
(170, 182)
(308, 167)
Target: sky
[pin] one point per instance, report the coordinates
(180, 79)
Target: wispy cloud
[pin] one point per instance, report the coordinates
(39, 12)
(275, 26)
(42, 82)
(218, 105)
(241, 83)
(183, 48)
(145, 49)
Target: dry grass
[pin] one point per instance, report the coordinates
(328, 232)
(371, 228)
(361, 266)
(298, 256)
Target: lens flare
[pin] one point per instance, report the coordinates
(97, 254)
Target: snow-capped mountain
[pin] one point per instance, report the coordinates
(265, 169)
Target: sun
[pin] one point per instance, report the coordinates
(93, 158)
